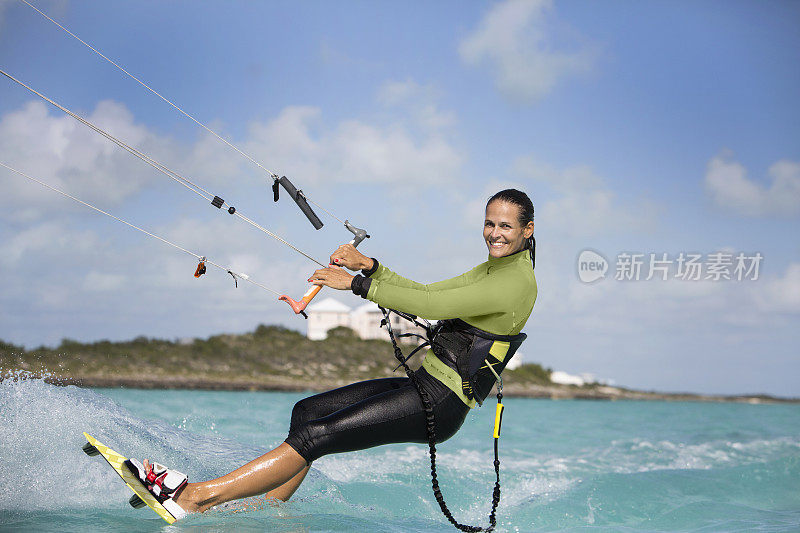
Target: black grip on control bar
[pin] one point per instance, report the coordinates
(298, 197)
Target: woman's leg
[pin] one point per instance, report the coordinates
(393, 416)
(279, 472)
(285, 491)
(261, 475)
(324, 404)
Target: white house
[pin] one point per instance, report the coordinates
(562, 378)
(365, 320)
(325, 315)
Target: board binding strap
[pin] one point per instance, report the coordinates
(127, 471)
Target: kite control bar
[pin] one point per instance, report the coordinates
(299, 306)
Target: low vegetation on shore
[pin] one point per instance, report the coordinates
(270, 358)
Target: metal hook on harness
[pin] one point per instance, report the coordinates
(499, 379)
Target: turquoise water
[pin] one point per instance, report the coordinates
(566, 465)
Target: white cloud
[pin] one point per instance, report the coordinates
(103, 281)
(69, 156)
(727, 182)
(210, 162)
(781, 294)
(419, 101)
(408, 148)
(397, 92)
(585, 206)
(516, 44)
(47, 242)
(353, 151)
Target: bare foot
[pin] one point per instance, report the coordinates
(187, 499)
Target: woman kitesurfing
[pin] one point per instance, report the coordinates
(481, 314)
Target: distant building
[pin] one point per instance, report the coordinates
(517, 361)
(365, 320)
(562, 378)
(326, 315)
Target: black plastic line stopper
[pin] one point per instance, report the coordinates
(231, 210)
(298, 197)
(276, 190)
(217, 202)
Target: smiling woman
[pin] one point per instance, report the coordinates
(481, 314)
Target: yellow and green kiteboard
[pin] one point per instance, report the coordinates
(141, 496)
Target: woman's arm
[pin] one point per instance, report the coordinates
(494, 294)
(384, 275)
(349, 257)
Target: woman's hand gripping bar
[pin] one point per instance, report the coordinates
(299, 306)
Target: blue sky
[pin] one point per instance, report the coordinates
(650, 127)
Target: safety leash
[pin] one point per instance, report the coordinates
(430, 422)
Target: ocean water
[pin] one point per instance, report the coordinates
(566, 465)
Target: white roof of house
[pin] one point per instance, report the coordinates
(328, 305)
(562, 378)
(368, 307)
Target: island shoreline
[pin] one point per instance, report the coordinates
(549, 392)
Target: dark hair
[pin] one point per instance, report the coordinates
(521, 200)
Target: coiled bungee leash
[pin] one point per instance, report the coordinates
(431, 332)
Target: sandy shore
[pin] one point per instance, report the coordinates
(553, 392)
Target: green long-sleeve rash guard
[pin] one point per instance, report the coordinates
(496, 296)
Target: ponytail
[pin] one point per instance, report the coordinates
(532, 247)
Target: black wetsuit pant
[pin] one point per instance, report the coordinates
(371, 413)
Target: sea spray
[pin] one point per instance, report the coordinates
(41, 434)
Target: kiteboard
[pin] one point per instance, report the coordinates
(141, 496)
